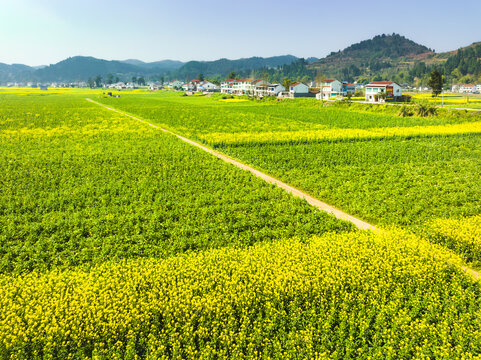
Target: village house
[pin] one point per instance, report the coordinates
(175, 84)
(155, 86)
(267, 89)
(245, 87)
(329, 88)
(478, 89)
(191, 85)
(381, 91)
(467, 88)
(348, 89)
(227, 86)
(207, 86)
(298, 90)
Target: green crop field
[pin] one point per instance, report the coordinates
(120, 241)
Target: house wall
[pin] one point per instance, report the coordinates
(299, 89)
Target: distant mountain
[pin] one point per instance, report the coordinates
(222, 67)
(80, 68)
(391, 57)
(372, 57)
(133, 62)
(163, 65)
(14, 72)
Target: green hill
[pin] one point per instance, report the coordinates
(222, 67)
(384, 55)
(14, 72)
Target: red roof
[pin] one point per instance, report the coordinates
(295, 84)
(329, 80)
(349, 84)
(380, 83)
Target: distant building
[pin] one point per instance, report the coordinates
(298, 90)
(175, 84)
(467, 88)
(43, 87)
(207, 86)
(191, 85)
(375, 90)
(329, 88)
(348, 89)
(478, 89)
(227, 86)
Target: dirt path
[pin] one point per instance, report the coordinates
(295, 192)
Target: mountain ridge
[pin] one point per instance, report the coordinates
(391, 57)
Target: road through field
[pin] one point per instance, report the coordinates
(295, 192)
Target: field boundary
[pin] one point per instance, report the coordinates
(291, 190)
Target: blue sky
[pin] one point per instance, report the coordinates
(36, 32)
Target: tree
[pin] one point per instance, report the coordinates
(110, 79)
(98, 81)
(232, 75)
(436, 82)
(287, 84)
(91, 83)
(134, 79)
(200, 77)
(141, 81)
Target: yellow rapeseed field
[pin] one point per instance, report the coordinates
(461, 235)
(338, 134)
(371, 295)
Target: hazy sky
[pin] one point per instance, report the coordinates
(36, 32)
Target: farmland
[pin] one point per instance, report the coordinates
(367, 160)
(120, 241)
(81, 185)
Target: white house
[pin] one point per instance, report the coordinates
(390, 89)
(263, 88)
(478, 88)
(244, 87)
(191, 85)
(298, 89)
(227, 86)
(155, 87)
(175, 84)
(275, 89)
(330, 88)
(207, 86)
(118, 86)
(467, 88)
